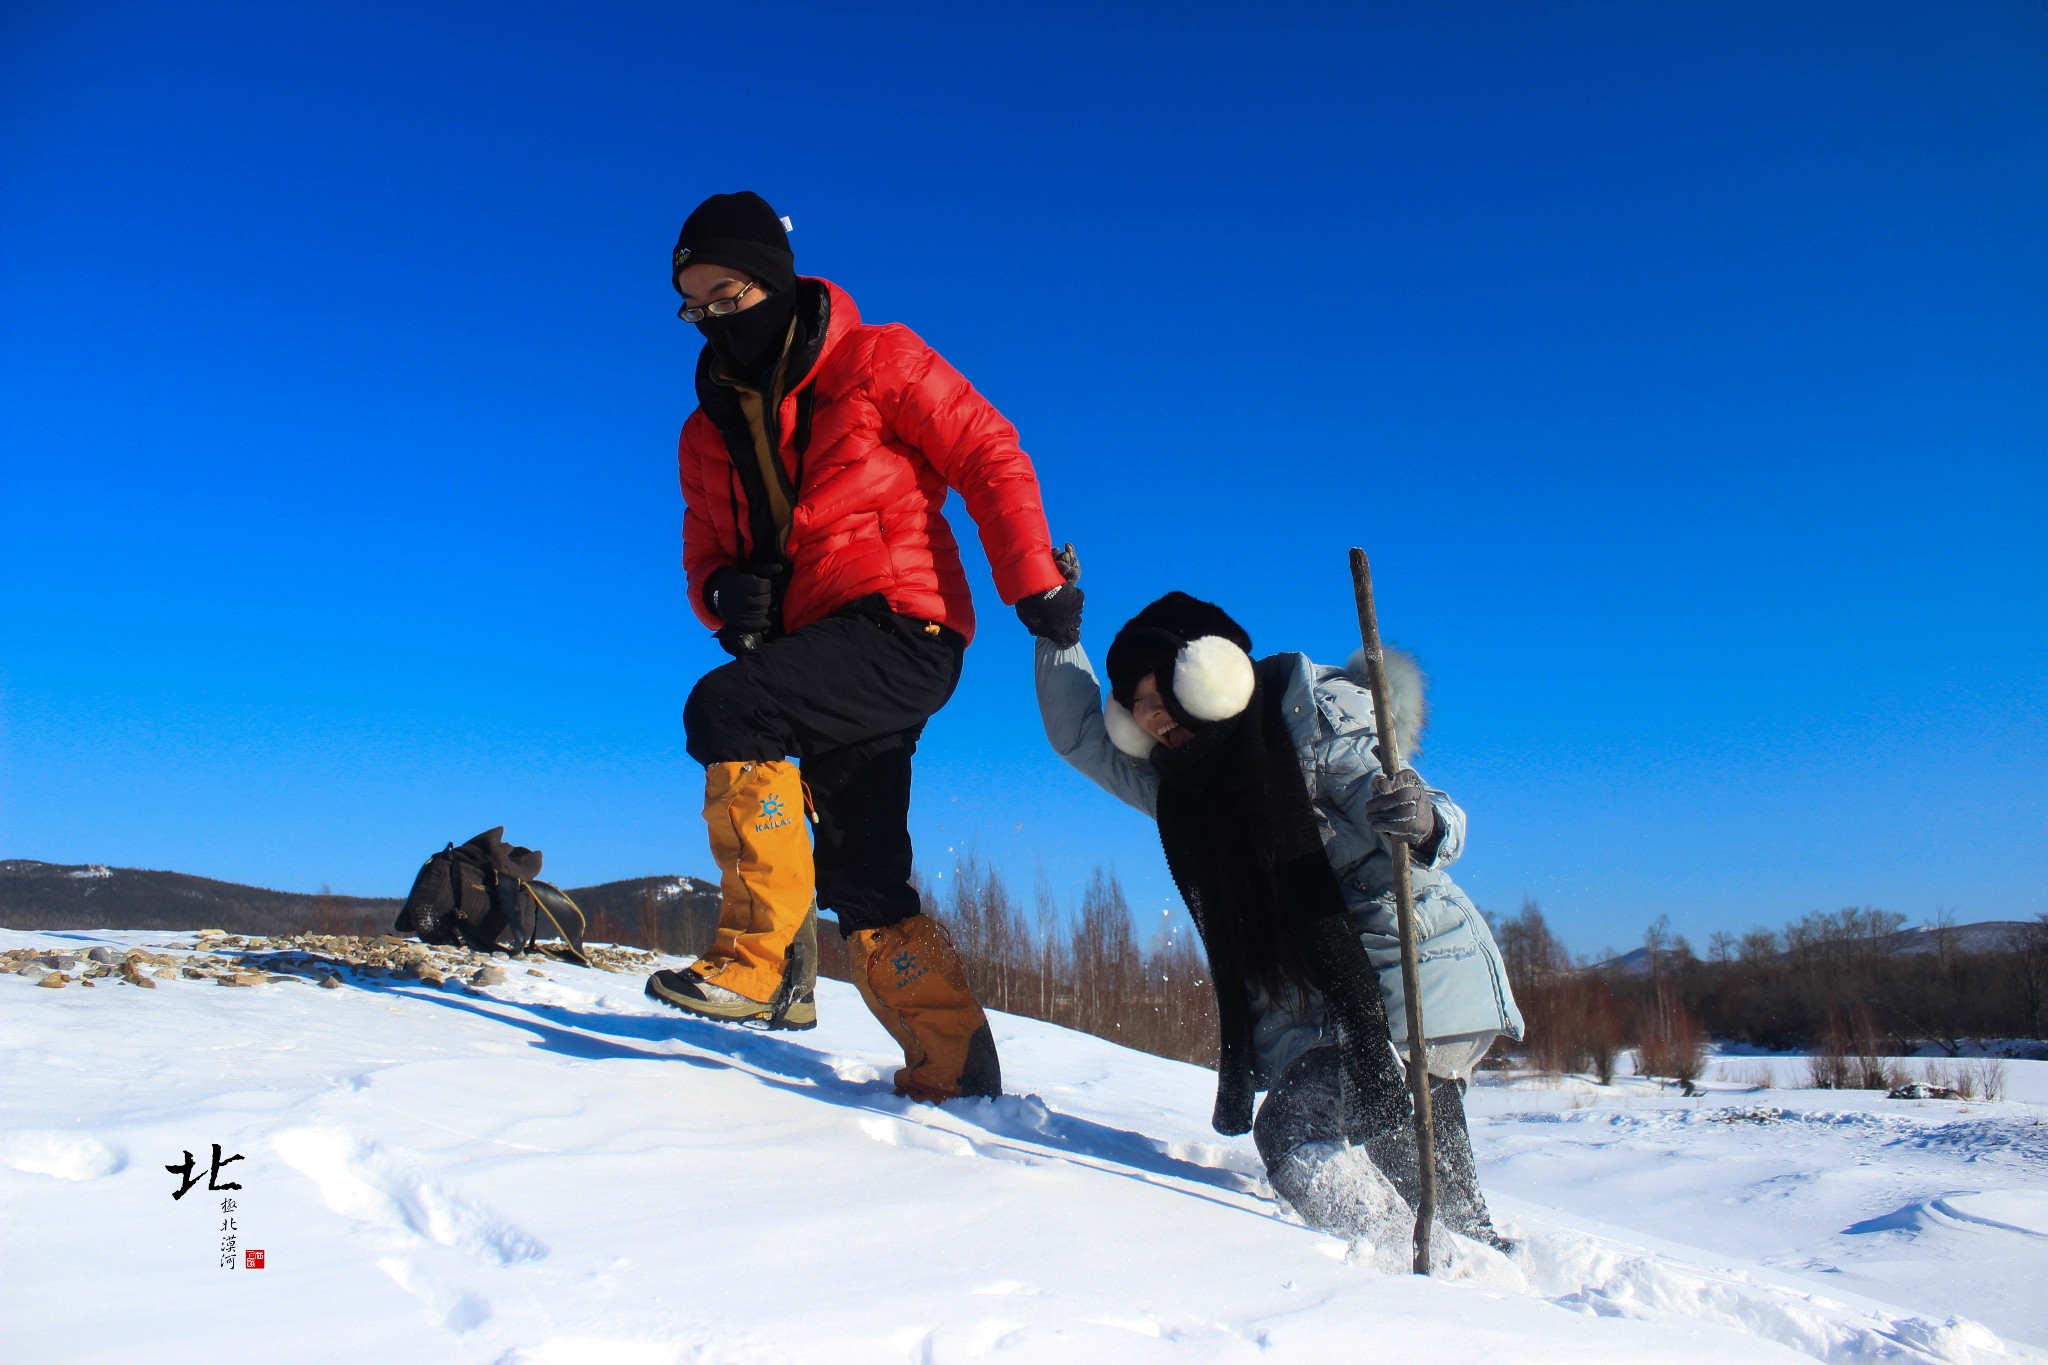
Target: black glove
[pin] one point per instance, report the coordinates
(1400, 808)
(1054, 615)
(740, 599)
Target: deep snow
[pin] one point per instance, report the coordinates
(555, 1171)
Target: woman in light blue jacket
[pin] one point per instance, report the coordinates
(1276, 819)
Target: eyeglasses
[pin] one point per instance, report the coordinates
(717, 308)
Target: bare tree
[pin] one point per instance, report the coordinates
(1759, 946)
(1672, 1044)
(651, 933)
(1046, 955)
(328, 915)
(1657, 942)
(2027, 965)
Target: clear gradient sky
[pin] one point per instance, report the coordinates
(1683, 367)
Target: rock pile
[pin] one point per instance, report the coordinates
(1913, 1090)
(58, 967)
(329, 960)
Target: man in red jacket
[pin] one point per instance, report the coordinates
(813, 473)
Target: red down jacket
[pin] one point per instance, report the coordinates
(892, 425)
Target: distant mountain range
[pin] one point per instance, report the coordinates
(36, 895)
(1985, 936)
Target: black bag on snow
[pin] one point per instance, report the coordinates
(487, 895)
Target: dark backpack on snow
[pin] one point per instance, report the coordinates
(487, 895)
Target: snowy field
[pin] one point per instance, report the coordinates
(551, 1171)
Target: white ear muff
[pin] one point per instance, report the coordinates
(1124, 730)
(1212, 678)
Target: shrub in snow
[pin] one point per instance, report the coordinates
(1672, 1044)
(1987, 1077)
(1852, 1055)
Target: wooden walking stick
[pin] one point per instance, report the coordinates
(1404, 905)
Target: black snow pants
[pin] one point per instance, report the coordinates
(848, 697)
(1306, 1105)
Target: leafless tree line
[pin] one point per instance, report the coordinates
(334, 915)
(1836, 982)
(1833, 982)
(649, 925)
(1088, 972)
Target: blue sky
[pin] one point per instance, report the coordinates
(1680, 366)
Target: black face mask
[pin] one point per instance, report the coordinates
(749, 341)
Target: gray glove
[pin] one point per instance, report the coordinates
(1067, 562)
(1400, 808)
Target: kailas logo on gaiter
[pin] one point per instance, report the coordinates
(773, 815)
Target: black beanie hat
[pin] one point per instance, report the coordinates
(1151, 641)
(741, 231)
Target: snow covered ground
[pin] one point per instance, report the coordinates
(552, 1171)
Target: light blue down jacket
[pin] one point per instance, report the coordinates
(1330, 717)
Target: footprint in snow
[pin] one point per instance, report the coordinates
(361, 1181)
(60, 1155)
(455, 1307)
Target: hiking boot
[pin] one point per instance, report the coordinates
(693, 994)
(915, 983)
(766, 881)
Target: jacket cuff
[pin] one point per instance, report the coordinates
(1431, 853)
(1027, 578)
(1424, 853)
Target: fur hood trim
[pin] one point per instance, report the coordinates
(1125, 732)
(1407, 695)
